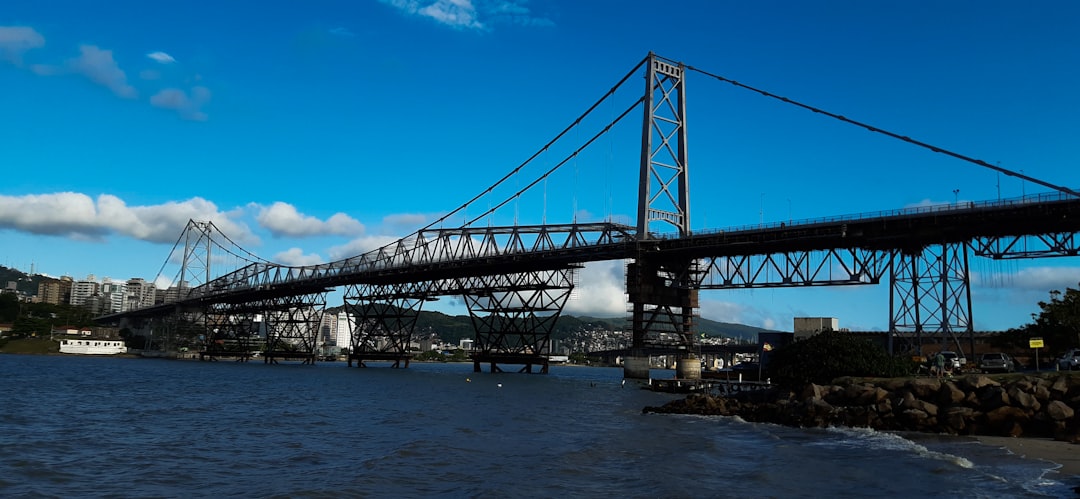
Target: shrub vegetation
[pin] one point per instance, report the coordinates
(830, 355)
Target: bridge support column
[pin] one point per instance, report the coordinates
(231, 332)
(292, 327)
(688, 368)
(513, 316)
(636, 367)
(382, 320)
(930, 296)
(664, 307)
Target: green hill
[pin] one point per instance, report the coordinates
(452, 328)
(27, 284)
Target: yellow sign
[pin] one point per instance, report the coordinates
(1035, 342)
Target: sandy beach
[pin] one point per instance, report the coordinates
(1063, 453)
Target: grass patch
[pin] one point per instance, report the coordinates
(30, 345)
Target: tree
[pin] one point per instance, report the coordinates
(9, 307)
(830, 355)
(1058, 324)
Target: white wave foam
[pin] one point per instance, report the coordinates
(862, 437)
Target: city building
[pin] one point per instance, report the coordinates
(343, 330)
(806, 327)
(138, 294)
(83, 290)
(54, 291)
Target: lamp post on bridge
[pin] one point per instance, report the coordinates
(761, 210)
(956, 196)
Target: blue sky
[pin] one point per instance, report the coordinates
(318, 130)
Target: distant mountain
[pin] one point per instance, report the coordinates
(452, 328)
(28, 284)
(709, 327)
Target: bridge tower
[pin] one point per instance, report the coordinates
(930, 295)
(382, 319)
(661, 293)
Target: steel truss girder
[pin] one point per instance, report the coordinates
(930, 292)
(663, 189)
(663, 304)
(382, 320)
(429, 252)
(292, 327)
(514, 315)
(1032, 246)
(831, 267)
(231, 331)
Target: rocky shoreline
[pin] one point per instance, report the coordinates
(1028, 405)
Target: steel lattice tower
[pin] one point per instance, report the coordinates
(660, 289)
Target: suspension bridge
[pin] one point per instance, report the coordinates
(517, 279)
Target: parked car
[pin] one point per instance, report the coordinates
(952, 360)
(996, 362)
(1070, 361)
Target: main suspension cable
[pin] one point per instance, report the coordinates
(513, 172)
(559, 164)
(904, 138)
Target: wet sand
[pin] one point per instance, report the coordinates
(1063, 453)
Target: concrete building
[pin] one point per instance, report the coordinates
(806, 327)
(138, 294)
(55, 291)
(343, 330)
(112, 296)
(83, 290)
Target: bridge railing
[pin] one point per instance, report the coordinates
(1045, 197)
(459, 246)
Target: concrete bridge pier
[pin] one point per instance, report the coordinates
(688, 368)
(636, 367)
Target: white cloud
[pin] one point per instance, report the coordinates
(463, 14)
(188, 106)
(724, 311)
(360, 246)
(404, 222)
(79, 216)
(295, 257)
(16, 40)
(516, 12)
(161, 57)
(282, 219)
(600, 291)
(1039, 279)
(454, 13)
(99, 66)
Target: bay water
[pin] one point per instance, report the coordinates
(124, 427)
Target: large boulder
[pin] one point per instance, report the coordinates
(956, 419)
(992, 397)
(1007, 421)
(924, 388)
(950, 394)
(971, 383)
(1059, 411)
(1022, 399)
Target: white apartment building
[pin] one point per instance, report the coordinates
(138, 294)
(112, 294)
(343, 330)
(81, 291)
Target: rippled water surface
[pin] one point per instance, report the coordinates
(83, 426)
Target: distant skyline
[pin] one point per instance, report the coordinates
(310, 133)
